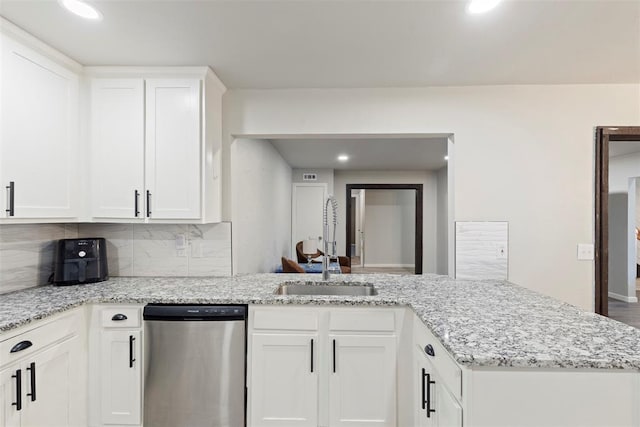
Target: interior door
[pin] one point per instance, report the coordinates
(306, 216)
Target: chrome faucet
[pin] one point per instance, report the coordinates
(326, 258)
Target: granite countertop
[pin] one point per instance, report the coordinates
(481, 323)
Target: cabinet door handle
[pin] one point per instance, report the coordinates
(148, 203)
(312, 355)
(32, 380)
(18, 402)
(429, 382)
(11, 189)
(424, 398)
(136, 198)
(429, 350)
(131, 359)
(119, 317)
(22, 345)
(334, 356)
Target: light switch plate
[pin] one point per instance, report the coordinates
(501, 251)
(585, 251)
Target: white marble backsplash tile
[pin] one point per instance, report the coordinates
(482, 250)
(27, 251)
(150, 249)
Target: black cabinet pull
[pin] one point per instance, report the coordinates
(148, 203)
(334, 356)
(18, 402)
(311, 354)
(32, 380)
(136, 208)
(118, 317)
(22, 345)
(131, 359)
(429, 382)
(424, 399)
(11, 196)
(429, 350)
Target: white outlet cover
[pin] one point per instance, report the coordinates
(585, 251)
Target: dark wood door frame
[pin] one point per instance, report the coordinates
(605, 135)
(418, 216)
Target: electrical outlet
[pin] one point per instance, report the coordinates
(181, 245)
(501, 251)
(585, 251)
(196, 249)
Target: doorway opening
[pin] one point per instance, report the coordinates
(356, 239)
(606, 210)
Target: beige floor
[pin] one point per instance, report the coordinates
(356, 269)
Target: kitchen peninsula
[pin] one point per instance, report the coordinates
(491, 352)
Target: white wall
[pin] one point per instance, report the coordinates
(622, 222)
(390, 228)
(261, 206)
(324, 175)
(518, 149)
(442, 228)
(426, 178)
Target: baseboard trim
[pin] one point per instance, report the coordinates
(619, 297)
(388, 265)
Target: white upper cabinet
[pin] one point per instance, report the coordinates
(173, 149)
(39, 136)
(156, 145)
(117, 148)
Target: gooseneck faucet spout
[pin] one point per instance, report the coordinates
(326, 258)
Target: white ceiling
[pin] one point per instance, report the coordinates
(353, 43)
(618, 148)
(364, 153)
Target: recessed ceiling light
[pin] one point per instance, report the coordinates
(446, 157)
(343, 158)
(481, 6)
(81, 9)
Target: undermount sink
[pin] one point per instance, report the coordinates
(326, 288)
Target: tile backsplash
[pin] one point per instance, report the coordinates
(482, 250)
(150, 249)
(27, 251)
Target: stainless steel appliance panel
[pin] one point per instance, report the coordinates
(194, 373)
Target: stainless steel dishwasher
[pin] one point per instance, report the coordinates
(194, 365)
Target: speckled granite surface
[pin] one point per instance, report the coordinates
(482, 323)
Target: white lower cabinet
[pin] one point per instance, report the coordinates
(311, 368)
(116, 364)
(435, 405)
(43, 380)
(284, 380)
(362, 381)
(121, 380)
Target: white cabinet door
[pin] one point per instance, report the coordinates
(284, 380)
(117, 148)
(440, 408)
(49, 386)
(38, 135)
(120, 377)
(173, 148)
(362, 382)
(9, 377)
